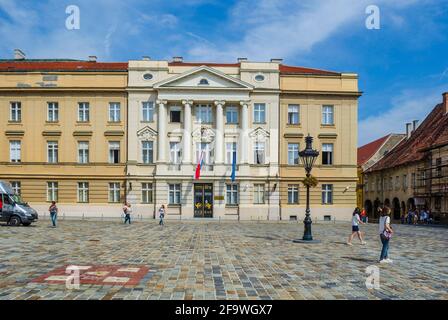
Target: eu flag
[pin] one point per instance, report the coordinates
(233, 167)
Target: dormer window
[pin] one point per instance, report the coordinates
(203, 82)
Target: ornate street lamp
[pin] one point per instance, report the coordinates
(308, 156)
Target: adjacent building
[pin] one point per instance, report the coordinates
(414, 173)
(63, 130)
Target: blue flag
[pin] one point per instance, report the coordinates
(233, 167)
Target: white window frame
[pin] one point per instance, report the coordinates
(293, 194)
(83, 192)
(52, 151)
(15, 151)
(328, 154)
(147, 152)
(16, 187)
(148, 111)
(114, 111)
(83, 112)
(204, 113)
(259, 193)
(114, 146)
(259, 148)
(52, 191)
(15, 111)
(293, 153)
(232, 194)
(259, 113)
(147, 192)
(327, 194)
(174, 193)
(53, 111)
(328, 115)
(83, 152)
(293, 114)
(175, 152)
(114, 192)
(232, 115)
(176, 109)
(208, 152)
(231, 147)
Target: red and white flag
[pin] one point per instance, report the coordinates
(197, 173)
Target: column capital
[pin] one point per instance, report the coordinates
(244, 102)
(158, 101)
(220, 102)
(189, 102)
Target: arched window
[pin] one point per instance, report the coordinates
(203, 82)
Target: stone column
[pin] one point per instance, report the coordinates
(219, 137)
(161, 128)
(186, 148)
(244, 135)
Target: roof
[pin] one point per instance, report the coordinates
(60, 65)
(302, 70)
(432, 131)
(368, 150)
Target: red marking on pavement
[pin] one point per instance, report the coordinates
(97, 274)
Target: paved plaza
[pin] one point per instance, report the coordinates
(212, 260)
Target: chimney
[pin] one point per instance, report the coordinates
(146, 58)
(19, 54)
(445, 101)
(408, 130)
(242, 60)
(414, 125)
(275, 60)
(93, 58)
(178, 59)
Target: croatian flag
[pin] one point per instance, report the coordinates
(233, 167)
(197, 173)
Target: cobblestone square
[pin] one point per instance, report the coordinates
(227, 260)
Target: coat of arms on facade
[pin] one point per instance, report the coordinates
(203, 134)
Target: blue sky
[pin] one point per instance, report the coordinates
(403, 66)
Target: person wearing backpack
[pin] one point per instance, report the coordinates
(385, 231)
(53, 213)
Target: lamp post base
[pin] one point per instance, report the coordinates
(306, 241)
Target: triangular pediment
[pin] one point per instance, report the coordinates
(147, 133)
(203, 77)
(259, 134)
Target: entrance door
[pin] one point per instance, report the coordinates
(203, 200)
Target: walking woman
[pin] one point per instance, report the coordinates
(53, 213)
(386, 232)
(162, 215)
(356, 220)
(127, 212)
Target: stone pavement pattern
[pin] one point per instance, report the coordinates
(228, 260)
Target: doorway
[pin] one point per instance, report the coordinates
(203, 200)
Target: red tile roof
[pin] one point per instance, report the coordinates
(301, 70)
(197, 64)
(367, 151)
(60, 65)
(433, 130)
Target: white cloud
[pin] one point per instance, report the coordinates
(409, 105)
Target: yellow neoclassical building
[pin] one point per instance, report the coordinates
(63, 127)
(325, 105)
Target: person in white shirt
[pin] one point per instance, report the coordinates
(356, 220)
(127, 212)
(385, 232)
(162, 215)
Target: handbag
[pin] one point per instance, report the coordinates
(386, 234)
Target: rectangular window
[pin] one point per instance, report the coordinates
(258, 193)
(52, 151)
(83, 192)
(52, 191)
(259, 152)
(146, 192)
(204, 113)
(293, 114)
(366, 184)
(16, 112)
(114, 112)
(232, 115)
(327, 194)
(83, 152)
(16, 187)
(15, 151)
(405, 182)
(83, 112)
(148, 111)
(205, 149)
(438, 167)
(293, 194)
(413, 180)
(293, 153)
(53, 112)
(328, 115)
(259, 113)
(114, 152)
(175, 152)
(397, 182)
(147, 152)
(175, 114)
(327, 154)
(114, 192)
(174, 193)
(232, 194)
(230, 150)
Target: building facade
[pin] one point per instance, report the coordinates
(325, 105)
(413, 174)
(63, 127)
